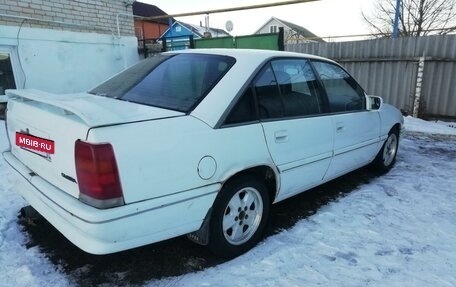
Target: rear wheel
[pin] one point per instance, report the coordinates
(386, 157)
(239, 216)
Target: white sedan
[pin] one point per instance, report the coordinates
(198, 142)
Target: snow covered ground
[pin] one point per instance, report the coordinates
(397, 230)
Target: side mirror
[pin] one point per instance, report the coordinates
(374, 103)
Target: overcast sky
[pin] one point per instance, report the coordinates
(324, 17)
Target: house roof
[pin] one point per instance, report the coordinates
(200, 30)
(147, 10)
(298, 29)
(197, 31)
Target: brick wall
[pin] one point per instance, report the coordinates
(74, 15)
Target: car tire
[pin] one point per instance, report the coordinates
(239, 216)
(386, 157)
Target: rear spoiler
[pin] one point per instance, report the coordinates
(95, 111)
(92, 115)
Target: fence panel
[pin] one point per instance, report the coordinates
(273, 41)
(260, 41)
(220, 42)
(388, 68)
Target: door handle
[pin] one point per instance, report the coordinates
(340, 127)
(281, 136)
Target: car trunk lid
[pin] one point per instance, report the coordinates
(61, 120)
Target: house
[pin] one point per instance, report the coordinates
(149, 29)
(64, 46)
(180, 35)
(292, 33)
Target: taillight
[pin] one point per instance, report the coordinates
(97, 174)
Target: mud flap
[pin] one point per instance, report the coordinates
(201, 236)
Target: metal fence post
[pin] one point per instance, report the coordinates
(281, 39)
(164, 45)
(192, 42)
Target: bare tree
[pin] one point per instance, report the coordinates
(417, 17)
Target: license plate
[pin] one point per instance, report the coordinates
(34, 143)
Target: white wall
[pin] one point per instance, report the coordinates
(65, 62)
(265, 29)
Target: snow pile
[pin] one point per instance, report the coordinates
(438, 127)
(397, 230)
(19, 266)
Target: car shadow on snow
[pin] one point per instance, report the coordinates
(175, 256)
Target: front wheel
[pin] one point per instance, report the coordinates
(239, 216)
(386, 157)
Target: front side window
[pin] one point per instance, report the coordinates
(343, 93)
(176, 82)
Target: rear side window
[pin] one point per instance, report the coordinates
(271, 105)
(298, 87)
(177, 82)
(287, 88)
(244, 111)
(344, 94)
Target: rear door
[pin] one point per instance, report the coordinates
(356, 130)
(299, 138)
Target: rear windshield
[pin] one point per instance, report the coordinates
(176, 82)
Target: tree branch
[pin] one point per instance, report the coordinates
(417, 18)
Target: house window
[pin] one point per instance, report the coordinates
(273, 29)
(6, 73)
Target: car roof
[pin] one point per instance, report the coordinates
(251, 53)
(248, 63)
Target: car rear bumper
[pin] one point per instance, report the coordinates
(103, 231)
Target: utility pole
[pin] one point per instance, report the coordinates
(396, 19)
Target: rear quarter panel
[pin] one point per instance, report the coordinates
(160, 157)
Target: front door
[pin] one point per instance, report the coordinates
(356, 130)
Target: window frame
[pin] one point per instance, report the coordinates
(249, 84)
(18, 73)
(265, 67)
(273, 29)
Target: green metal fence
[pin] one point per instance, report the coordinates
(272, 41)
(262, 41)
(222, 42)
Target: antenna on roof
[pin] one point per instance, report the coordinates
(229, 25)
(206, 22)
(207, 34)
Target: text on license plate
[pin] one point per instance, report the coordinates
(34, 143)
